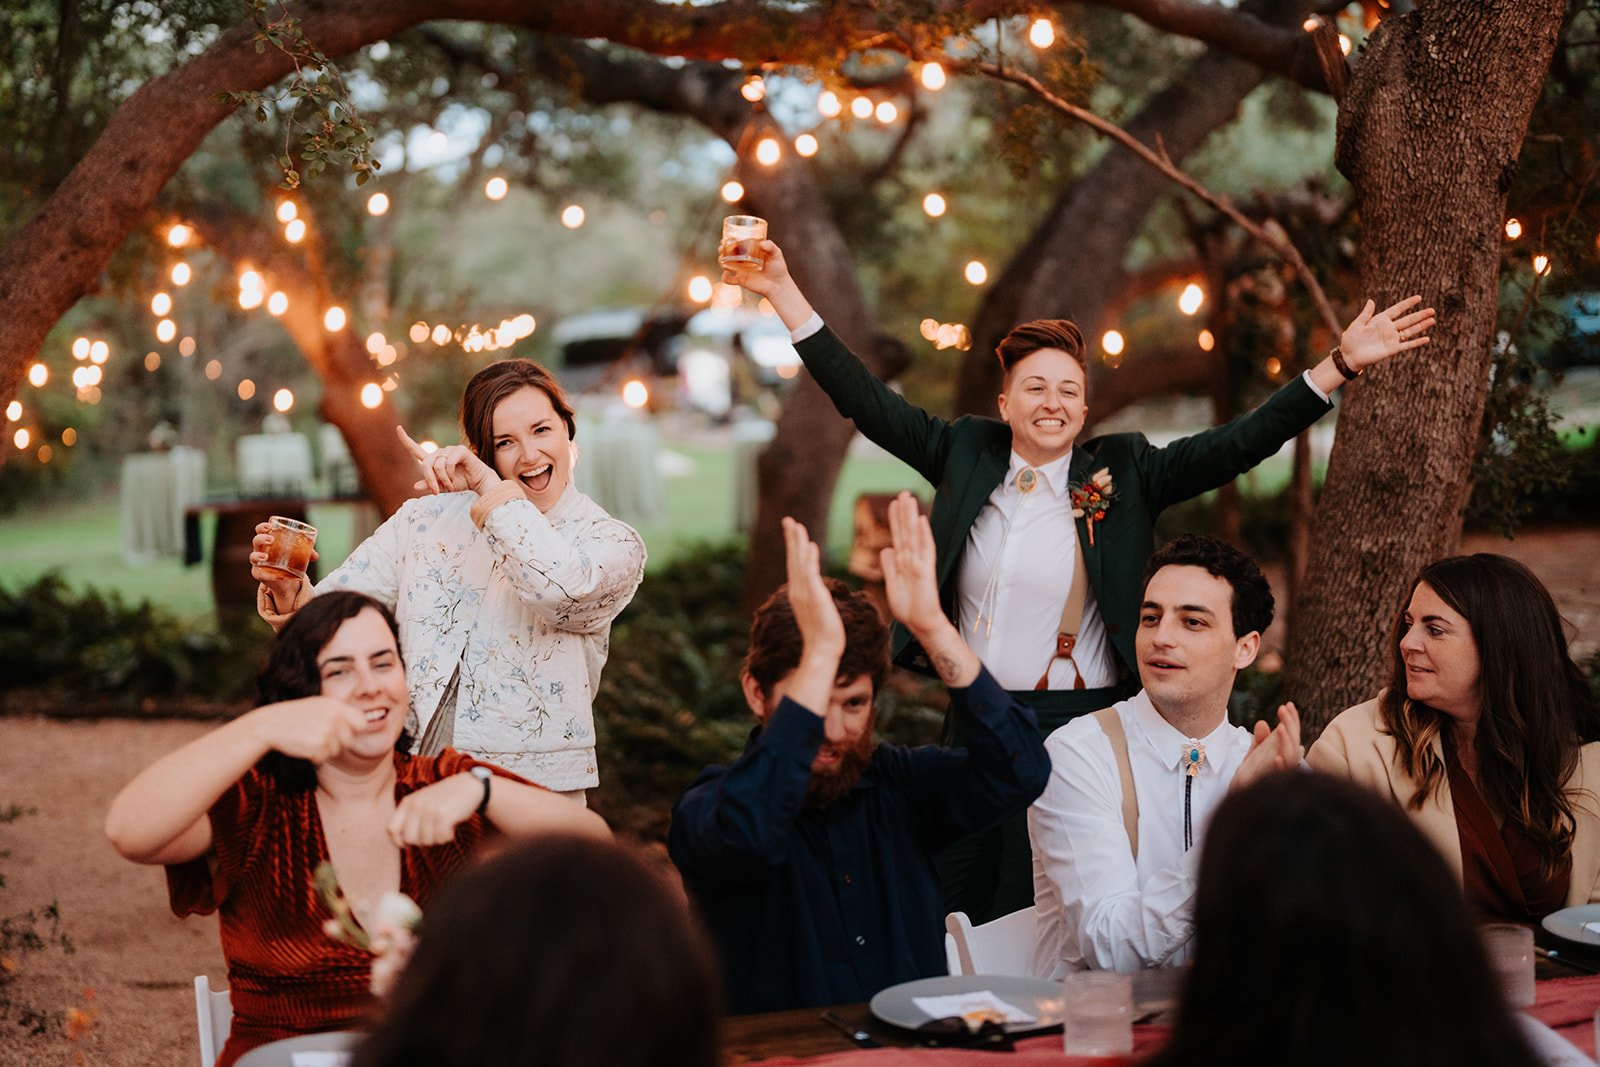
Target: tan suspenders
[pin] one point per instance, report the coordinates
(1071, 621)
(1111, 723)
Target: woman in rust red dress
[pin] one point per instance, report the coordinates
(1486, 737)
(242, 817)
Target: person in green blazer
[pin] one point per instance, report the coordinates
(1020, 502)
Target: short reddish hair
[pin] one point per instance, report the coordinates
(775, 641)
(496, 382)
(1023, 341)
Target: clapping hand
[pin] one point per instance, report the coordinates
(450, 469)
(1272, 749)
(1372, 338)
(908, 566)
(815, 613)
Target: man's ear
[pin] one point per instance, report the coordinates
(753, 696)
(1244, 652)
(1001, 402)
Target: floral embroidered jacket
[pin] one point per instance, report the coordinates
(522, 601)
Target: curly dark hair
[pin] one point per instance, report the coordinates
(562, 952)
(775, 642)
(290, 672)
(1023, 341)
(1252, 596)
(1322, 907)
(1537, 709)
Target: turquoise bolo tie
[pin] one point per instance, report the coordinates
(1194, 757)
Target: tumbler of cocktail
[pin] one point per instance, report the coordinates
(741, 240)
(289, 554)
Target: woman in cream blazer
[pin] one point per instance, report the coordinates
(1484, 699)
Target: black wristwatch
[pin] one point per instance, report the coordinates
(484, 775)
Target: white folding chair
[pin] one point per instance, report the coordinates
(214, 1012)
(1004, 946)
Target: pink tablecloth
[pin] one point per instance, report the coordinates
(1566, 1005)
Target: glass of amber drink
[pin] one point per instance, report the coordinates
(290, 552)
(741, 240)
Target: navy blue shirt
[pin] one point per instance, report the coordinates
(811, 907)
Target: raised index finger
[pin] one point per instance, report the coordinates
(411, 446)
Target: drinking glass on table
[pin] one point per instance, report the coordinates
(741, 240)
(1509, 947)
(289, 553)
(1098, 1016)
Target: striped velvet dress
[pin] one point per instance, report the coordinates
(287, 977)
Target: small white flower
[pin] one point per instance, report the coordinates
(398, 911)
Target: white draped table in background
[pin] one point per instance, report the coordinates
(156, 488)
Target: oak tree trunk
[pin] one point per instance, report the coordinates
(1428, 135)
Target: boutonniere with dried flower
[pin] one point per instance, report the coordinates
(388, 931)
(1091, 499)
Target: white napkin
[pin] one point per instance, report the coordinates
(963, 1005)
(321, 1058)
(1593, 928)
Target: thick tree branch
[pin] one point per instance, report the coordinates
(1276, 49)
(1269, 235)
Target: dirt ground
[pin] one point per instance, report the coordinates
(131, 975)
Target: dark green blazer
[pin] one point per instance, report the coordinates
(966, 459)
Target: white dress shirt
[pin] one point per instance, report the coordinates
(1016, 571)
(1099, 909)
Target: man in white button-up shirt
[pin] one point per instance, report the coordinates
(1115, 881)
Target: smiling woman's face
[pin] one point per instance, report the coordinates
(531, 446)
(360, 665)
(1044, 403)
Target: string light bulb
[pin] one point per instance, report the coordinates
(861, 107)
(295, 232)
(282, 400)
(247, 389)
(371, 395)
(80, 348)
(496, 188)
(179, 235)
(160, 304)
(38, 375)
(805, 146)
(732, 191)
(828, 105)
(1042, 34)
(333, 319)
(753, 89)
(699, 289)
(767, 151)
(377, 204)
(418, 332)
(572, 216)
(1513, 229)
(278, 303)
(635, 393)
(181, 273)
(1191, 298)
(933, 205)
(1541, 264)
(1206, 341)
(933, 77)
(99, 352)
(287, 211)
(14, 411)
(166, 330)
(886, 112)
(1112, 343)
(976, 273)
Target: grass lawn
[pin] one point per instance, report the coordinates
(83, 540)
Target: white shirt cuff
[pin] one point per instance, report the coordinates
(1304, 374)
(814, 323)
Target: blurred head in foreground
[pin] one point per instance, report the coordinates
(560, 952)
(1328, 931)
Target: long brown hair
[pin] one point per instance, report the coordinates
(1537, 710)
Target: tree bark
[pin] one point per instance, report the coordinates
(1429, 134)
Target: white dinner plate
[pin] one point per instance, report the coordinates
(1569, 922)
(1036, 996)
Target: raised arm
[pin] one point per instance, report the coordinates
(882, 415)
(1372, 337)
(733, 818)
(160, 816)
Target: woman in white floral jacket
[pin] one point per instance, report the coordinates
(505, 580)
